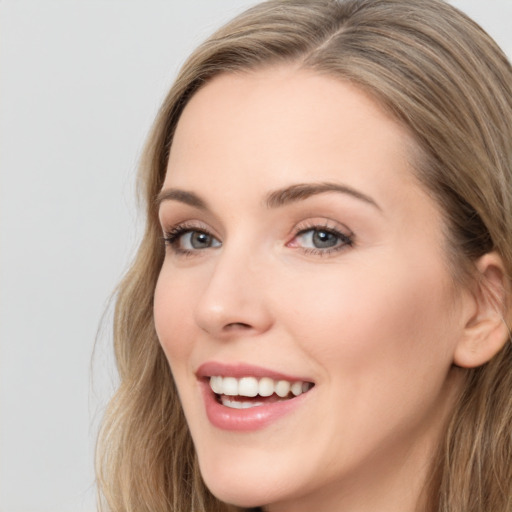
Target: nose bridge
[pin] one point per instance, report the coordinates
(234, 297)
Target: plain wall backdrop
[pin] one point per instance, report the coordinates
(80, 83)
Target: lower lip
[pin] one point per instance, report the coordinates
(245, 420)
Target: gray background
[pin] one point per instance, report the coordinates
(80, 83)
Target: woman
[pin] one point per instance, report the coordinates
(317, 315)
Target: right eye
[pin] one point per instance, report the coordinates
(187, 240)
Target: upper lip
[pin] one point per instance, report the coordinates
(239, 370)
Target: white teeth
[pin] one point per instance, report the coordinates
(251, 387)
(266, 386)
(230, 386)
(248, 386)
(216, 384)
(297, 388)
(238, 405)
(282, 388)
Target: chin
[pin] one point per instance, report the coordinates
(240, 493)
(245, 486)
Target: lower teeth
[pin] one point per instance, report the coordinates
(234, 404)
(229, 401)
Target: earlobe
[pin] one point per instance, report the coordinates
(486, 330)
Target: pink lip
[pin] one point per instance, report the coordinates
(240, 370)
(244, 420)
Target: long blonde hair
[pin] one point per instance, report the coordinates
(441, 76)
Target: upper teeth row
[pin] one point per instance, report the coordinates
(251, 386)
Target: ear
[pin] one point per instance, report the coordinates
(486, 330)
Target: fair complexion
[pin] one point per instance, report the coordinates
(300, 245)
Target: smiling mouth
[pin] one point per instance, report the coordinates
(248, 392)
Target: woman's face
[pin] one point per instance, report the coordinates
(304, 260)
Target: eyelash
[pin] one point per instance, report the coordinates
(345, 240)
(172, 237)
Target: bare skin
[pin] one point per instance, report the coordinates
(347, 286)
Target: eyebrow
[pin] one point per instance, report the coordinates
(182, 196)
(275, 199)
(302, 191)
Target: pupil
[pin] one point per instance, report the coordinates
(323, 239)
(200, 240)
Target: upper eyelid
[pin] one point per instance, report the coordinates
(178, 202)
(320, 227)
(335, 231)
(188, 225)
(173, 235)
(298, 228)
(326, 223)
(172, 212)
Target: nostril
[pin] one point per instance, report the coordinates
(236, 325)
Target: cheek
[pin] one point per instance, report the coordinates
(381, 342)
(172, 313)
(375, 322)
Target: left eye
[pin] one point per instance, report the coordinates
(317, 238)
(192, 240)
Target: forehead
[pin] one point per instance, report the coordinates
(286, 124)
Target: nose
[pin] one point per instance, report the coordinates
(234, 301)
